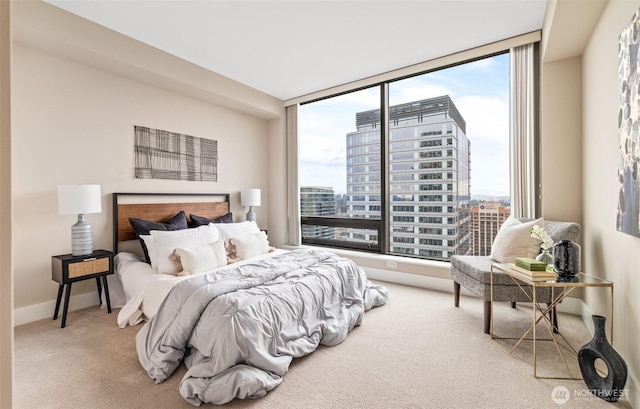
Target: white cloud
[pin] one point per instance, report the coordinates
(487, 118)
(419, 91)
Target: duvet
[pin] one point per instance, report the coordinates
(238, 329)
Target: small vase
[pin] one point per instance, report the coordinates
(546, 257)
(610, 387)
(566, 259)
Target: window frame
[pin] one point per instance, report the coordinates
(382, 225)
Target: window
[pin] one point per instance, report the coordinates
(388, 163)
(403, 219)
(430, 198)
(403, 208)
(336, 160)
(430, 209)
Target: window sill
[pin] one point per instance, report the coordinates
(402, 270)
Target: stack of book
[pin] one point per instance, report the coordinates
(532, 269)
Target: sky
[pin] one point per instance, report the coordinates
(480, 91)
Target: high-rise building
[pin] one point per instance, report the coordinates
(486, 219)
(428, 170)
(317, 201)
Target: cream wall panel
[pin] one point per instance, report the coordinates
(6, 259)
(561, 140)
(73, 123)
(607, 252)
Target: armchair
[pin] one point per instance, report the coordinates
(473, 273)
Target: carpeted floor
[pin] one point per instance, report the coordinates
(418, 351)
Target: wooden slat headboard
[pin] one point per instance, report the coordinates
(212, 206)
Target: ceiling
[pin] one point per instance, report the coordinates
(291, 48)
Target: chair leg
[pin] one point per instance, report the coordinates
(513, 304)
(456, 294)
(487, 317)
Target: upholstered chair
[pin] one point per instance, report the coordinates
(473, 273)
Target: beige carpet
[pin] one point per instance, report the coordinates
(418, 351)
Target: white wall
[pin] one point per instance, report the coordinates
(73, 123)
(607, 252)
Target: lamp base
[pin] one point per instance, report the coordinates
(251, 215)
(81, 238)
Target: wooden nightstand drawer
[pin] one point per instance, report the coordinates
(88, 267)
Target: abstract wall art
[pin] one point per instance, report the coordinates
(628, 213)
(168, 155)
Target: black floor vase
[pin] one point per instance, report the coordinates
(610, 387)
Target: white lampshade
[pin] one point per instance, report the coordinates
(79, 199)
(250, 197)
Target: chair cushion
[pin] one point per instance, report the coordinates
(474, 274)
(479, 268)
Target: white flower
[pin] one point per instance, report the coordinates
(541, 234)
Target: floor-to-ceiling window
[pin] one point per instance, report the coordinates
(417, 166)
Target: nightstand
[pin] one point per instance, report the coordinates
(67, 269)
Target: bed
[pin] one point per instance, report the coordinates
(236, 323)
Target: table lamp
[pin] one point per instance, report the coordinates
(80, 199)
(250, 197)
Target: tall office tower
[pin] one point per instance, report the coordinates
(428, 177)
(486, 219)
(317, 201)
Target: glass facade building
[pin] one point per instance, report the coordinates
(486, 219)
(317, 201)
(428, 168)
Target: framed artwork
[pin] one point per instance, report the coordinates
(168, 155)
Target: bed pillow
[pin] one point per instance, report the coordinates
(200, 259)
(250, 246)
(228, 230)
(167, 241)
(143, 227)
(201, 221)
(514, 240)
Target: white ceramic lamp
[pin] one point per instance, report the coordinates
(250, 198)
(80, 200)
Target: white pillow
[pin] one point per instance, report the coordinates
(196, 260)
(514, 240)
(167, 241)
(228, 230)
(251, 246)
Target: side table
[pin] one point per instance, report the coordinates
(559, 291)
(66, 269)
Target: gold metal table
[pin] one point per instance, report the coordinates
(560, 289)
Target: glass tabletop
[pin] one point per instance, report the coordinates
(579, 280)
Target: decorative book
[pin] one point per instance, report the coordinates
(530, 264)
(532, 274)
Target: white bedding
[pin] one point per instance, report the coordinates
(145, 289)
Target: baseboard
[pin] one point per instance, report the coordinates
(44, 310)
(415, 280)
